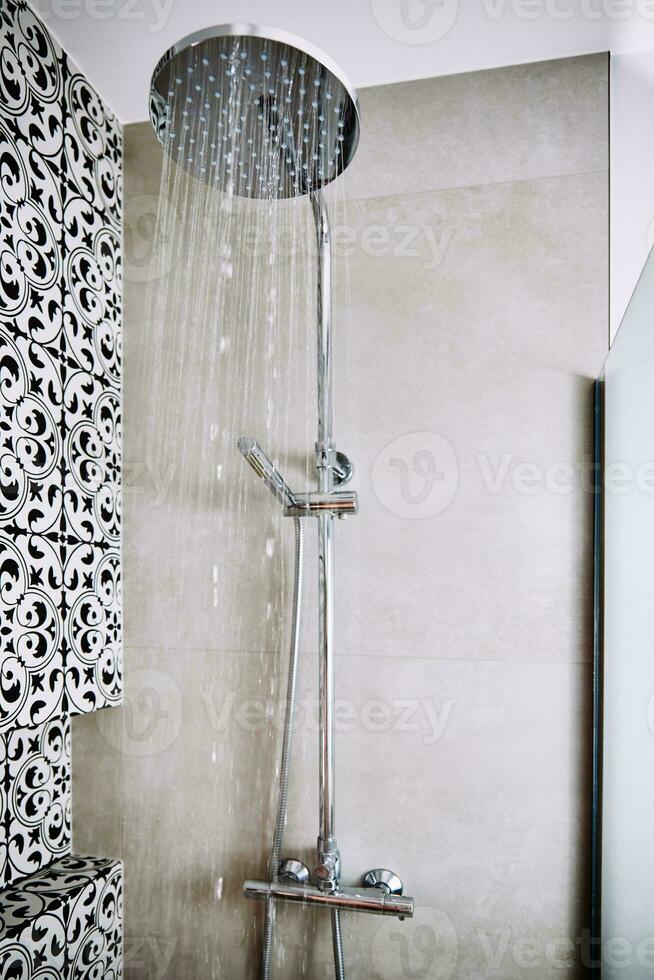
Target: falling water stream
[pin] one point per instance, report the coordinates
(230, 342)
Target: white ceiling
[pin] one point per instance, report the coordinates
(117, 42)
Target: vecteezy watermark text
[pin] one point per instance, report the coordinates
(418, 716)
(428, 21)
(399, 241)
(155, 13)
(568, 9)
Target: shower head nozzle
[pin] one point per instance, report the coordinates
(254, 111)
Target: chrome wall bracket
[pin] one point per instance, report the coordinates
(335, 465)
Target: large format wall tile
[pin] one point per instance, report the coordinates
(466, 398)
(518, 123)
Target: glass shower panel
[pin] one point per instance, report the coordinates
(627, 765)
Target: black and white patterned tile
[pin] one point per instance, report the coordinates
(92, 501)
(65, 923)
(60, 599)
(60, 317)
(31, 266)
(35, 818)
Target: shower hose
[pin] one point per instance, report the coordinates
(285, 768)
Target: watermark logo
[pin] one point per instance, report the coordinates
(151, 714)
(421, 718)
(566, 10)
(427, 21)
(422, 948)
(423, 243)
(416, 476)
(415, 21)
(154, 13)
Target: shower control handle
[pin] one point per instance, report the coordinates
(385, 880)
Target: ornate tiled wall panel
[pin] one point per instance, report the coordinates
(31, 289)
(91, 399)
(35, 798)
(60, 204)
(60, 600)
(64, 923)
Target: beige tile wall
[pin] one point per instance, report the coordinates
(476, 322)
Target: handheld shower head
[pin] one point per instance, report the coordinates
(266, 471)
(255, 111)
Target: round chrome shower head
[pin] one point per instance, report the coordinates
(254, 111)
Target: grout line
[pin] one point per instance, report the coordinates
(349, 201)
(360, 656)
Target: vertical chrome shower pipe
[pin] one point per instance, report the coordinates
(328, 869)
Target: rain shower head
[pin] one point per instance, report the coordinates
(254, 111)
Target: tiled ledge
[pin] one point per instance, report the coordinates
(66, 920)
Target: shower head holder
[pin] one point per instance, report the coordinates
(337, 503)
